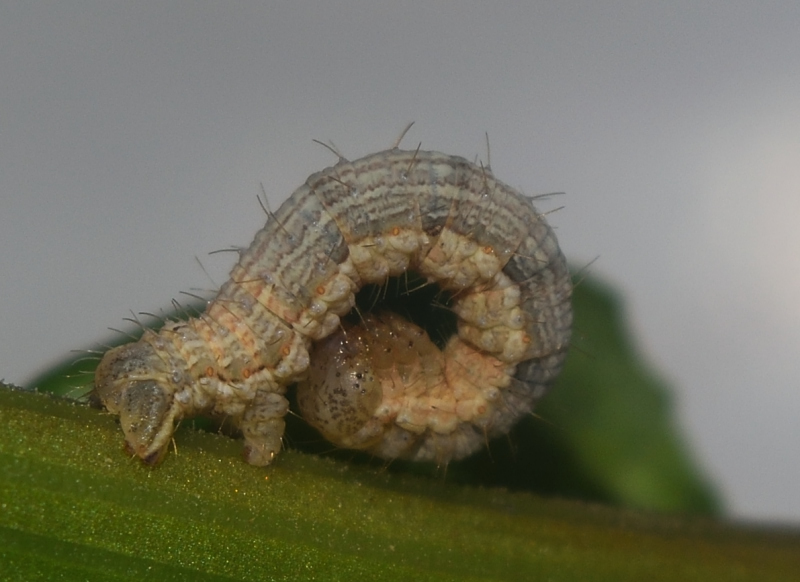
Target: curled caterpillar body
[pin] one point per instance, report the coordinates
(391, 391)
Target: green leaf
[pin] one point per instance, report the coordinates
(72, 507)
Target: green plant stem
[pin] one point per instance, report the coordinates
(73, 506)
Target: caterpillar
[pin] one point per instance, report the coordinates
(381, 385)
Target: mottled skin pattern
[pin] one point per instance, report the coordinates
(391, 391)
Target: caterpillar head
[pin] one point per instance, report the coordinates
(129, 382)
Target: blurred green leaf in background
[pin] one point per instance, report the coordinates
(606, 431)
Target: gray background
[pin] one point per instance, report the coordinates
(134, 135)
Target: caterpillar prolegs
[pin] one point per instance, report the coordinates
(381, 386)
